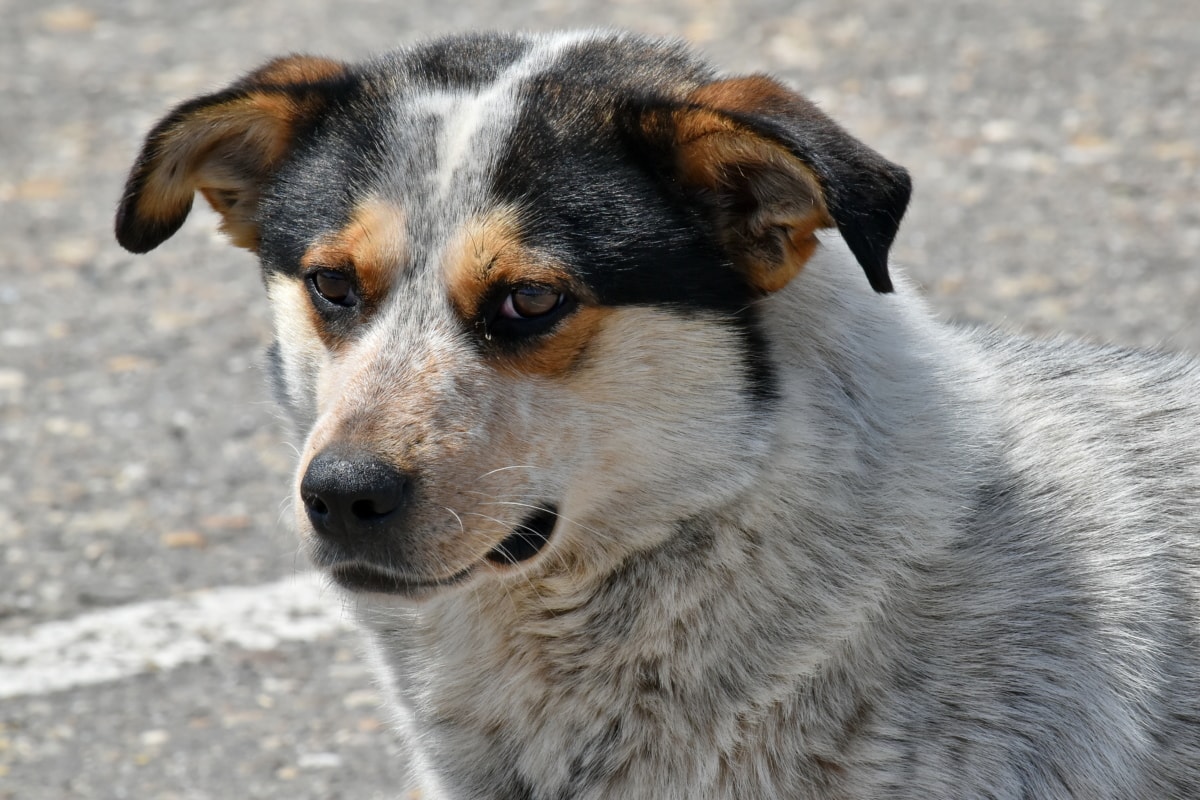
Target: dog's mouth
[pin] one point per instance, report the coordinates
(527, 539)
(360, 577)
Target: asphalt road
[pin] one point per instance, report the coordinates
(1055, 148)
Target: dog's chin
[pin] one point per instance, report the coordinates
(523, 544)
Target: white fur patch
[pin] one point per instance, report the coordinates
(302, 353)
(475, 124)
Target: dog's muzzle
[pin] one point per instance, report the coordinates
(358, 507)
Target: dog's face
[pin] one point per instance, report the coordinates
(513, 281)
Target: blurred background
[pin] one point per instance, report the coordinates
(158, 636)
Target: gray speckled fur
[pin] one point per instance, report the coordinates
(968, 567)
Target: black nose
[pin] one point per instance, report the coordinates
(347, 494)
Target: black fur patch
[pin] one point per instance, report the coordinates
(596, 207)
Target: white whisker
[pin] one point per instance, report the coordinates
(461, 527)
(502, 469)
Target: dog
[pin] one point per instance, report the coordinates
(640, 490)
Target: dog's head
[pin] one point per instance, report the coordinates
(513, 281)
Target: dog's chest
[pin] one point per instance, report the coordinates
(599, 709)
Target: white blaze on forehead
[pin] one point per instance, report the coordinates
(475, 124)
(463, 120)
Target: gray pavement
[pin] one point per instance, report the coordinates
(1055, 148)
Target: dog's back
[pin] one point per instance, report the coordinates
(645, 487)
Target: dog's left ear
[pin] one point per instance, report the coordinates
(226, 146)
(770, 168)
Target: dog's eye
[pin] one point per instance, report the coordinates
(526, 311)
(530, 302)
(334, 286)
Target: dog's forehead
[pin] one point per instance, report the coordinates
(447, 125)
(439, 142)
(528, 122)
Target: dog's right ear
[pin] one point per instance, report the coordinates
(769, 169)
(226, 146)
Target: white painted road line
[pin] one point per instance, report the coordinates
(164, 634)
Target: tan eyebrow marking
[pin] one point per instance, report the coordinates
(490, 251)
(374, 245)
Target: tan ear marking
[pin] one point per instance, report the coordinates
(224, 145)
(765, 203)
(749, 94)
(297, 69)
(770, 168)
